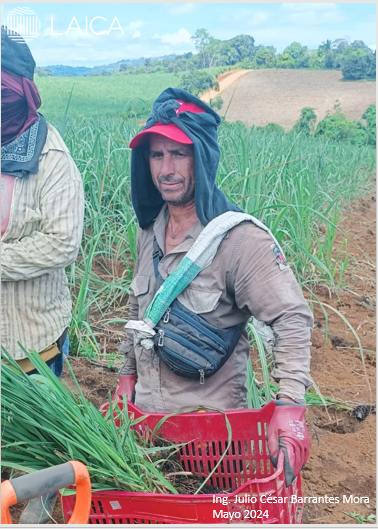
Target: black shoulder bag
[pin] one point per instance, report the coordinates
(188, 344)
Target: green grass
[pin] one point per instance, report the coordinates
(115, 96)
(364, 518)
(102, 96)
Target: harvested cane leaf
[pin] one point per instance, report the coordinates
(45, 424)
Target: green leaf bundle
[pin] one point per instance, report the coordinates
(45, 423)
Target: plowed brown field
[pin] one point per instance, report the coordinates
(277, 96)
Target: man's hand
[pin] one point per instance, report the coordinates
(288, 431)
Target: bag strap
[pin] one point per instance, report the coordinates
(199, 256)
(157, 255)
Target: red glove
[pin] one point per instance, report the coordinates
(126, 384)
(287, 430)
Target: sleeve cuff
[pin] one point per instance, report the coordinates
(293, 389)
(128, 368)
(127, 349)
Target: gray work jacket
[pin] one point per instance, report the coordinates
(245, 278)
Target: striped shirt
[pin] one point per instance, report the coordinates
(43, 236)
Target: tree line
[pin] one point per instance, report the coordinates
(336, 126)
(356, 60)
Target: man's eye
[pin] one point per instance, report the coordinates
(156, 155)
(179, 154)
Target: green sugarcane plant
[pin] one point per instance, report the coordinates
(45, 423)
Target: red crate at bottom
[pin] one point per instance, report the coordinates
(259, 493)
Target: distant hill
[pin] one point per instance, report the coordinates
(82, 71)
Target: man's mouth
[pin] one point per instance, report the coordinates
(169, 185)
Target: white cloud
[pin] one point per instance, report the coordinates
(46, 32)
(134, 25)
(46, 18)
(332, 16)
(281, 37)
(245, 16)
(306, 6)
(181, 9)
(132, 29)
(252, 18)
(310, 14)
(84, 53)
(182, 36)
(257, 18)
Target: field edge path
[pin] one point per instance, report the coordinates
(224, 80)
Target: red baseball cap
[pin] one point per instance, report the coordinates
(170, 130)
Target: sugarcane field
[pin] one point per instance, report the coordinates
(188, 264)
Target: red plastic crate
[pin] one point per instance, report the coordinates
(246, 469)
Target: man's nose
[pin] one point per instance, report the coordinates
(167, 166)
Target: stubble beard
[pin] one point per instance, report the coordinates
(180, 201)
(183, 199)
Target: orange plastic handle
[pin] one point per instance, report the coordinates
(83, 494)
(82, 481)
(8, 498)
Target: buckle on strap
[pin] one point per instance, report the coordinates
(157, 255)
(156, 250)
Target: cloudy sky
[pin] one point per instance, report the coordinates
(69, 32)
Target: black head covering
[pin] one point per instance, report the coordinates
(16, 55)
(202, 129)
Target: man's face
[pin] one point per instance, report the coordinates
(172, 169)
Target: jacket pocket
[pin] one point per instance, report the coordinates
(200, 301)
(140, 285)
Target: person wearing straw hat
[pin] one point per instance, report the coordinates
(42, 211)
(203, 269)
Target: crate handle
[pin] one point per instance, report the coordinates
(49, 480)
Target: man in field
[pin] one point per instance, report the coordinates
(173, 169)
(42, 209)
